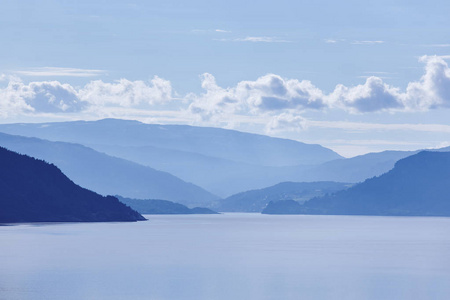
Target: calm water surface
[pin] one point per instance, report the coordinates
(229, 256)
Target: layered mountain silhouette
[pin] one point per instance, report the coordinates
(109, 175)
(418, 185)
(162, 207)
(221, 161)
(355, 169)
(257, 200)
(32, 190)
(212, 142)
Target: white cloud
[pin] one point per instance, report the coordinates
(255, 39)
(274, 95)
(433, 88)
(52, 96)
(222, 31)
(438, 45)
(215, 102)
(334, 41)
(264, 39)
(127, 93)
(360, 126)
(430, 92)
(209, 31)
(55, 97)
(54, 71)
(286, 122)
(272, 92)
(376, 72)
(373, 95)
(12, 100)
(367, 42)
(45, 96)
(269, 96)
(269, 93)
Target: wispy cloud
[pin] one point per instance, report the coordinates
(222, 31)
(437, 45)
(377, 72)
(360, 126)
(333, 41)
(367, 42)
(262, 39)
(210, 31)
(382, 77)
(355, 42)
(256, 39)
(367, 142)
(55, 71)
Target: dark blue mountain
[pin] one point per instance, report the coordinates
(109, 175)
(418, 185)
(32, 190)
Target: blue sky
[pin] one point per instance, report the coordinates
(353, 76)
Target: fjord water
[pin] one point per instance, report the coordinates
(229, 256)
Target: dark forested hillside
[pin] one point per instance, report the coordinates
(418, 185)
(32, 190)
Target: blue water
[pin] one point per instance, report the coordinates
(229, 256)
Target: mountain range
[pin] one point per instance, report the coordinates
(211, 142)
(229, 162)
(257, 200)
(221, 161)
(418, 185)
(210, 161)
(109, 175)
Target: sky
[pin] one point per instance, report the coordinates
(353, 76)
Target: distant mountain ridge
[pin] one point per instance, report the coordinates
(358, 168)
(32, 190)
(221, 161)
(216, 142)
(109, 175)
(257, 200)
(418, 185)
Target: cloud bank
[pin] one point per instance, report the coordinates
(283, 100)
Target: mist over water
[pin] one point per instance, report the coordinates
(229, 256)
